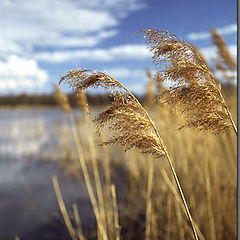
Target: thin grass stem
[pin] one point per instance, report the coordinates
(87, 179)
(175, 192)
(182, 196)
(63, 208)
(78, 222)
(115, 212)
(149, 199)
(92, 148)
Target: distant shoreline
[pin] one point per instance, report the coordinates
(28, 106)
(25, 101)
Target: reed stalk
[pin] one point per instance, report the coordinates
(101, 225)
(175, 193)
(223, 50)
(128, 122)
(149, 199)
(115, 211)
(209, 202)
(150, 88)
(78, 222)
(179, 220)
(82, 103)
(63, 208)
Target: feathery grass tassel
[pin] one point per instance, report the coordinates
(194, 90)
(126, 121)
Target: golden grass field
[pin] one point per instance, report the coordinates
(177, 178)
(206, 165)
(177, 184)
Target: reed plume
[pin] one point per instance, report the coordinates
(194, 90)
(62, 99)
(223, 50)
(198, 52)
(126, 121)
(97, 207)
(150, 88)
(81, 100)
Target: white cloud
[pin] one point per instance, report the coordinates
(133, 51)
(8, 47)
(125, 73)
(19, 74)
(29, 27)
(135, 79)
(221, 75)
(232, 28)
(211, 52)
(65, 23)
(138, 88)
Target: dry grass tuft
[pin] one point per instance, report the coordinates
(150, 88)
(96, 79)
(223, 51)
(125, 120)
(194, 91)
(128, 124)
(62, 99)
(81, 100)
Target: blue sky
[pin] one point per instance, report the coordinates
(41, 40)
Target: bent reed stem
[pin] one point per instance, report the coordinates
(149, 199)
(87, 179)
(93, 153)
(182, 196)
(171, 167)
(95, 80)
(63, 208)
(175, 193)
(170, 164)
(229, 114)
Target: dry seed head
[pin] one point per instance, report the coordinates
(81, 100)
(220, 67)
(150, 88)
(95, 79)
(125, 121)
(159, 82)
(194, 90)
(223, 51)
(62, 99)
(199, 53)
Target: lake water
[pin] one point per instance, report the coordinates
(31, 141)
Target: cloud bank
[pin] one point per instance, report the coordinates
(18, 74)
(211, 52)
(131, 51)
(66, 23)
(229, 29)
(49, 30)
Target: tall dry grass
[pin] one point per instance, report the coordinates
(167, 220)
(151, 206)
(106, 215)
(195, 92)
(128, 124)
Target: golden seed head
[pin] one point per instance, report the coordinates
(125, 121)
(81, 100)
(62, 99)
(194, 90)
(223, 50)
(150, 88)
